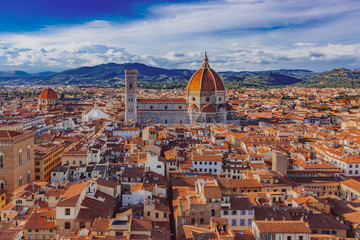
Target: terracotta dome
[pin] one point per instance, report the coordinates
(208, 109)
(48, 93)
(205, 79)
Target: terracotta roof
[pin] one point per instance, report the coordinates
(282, 227)
(9, 134)
(140, 225)
(41, 220)
(208, 109)
(353, 184)
(101, 224)
(48, 93)
(193, 106)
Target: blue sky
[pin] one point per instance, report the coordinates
(42, 35)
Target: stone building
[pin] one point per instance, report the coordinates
(16, 159)
(205, 101)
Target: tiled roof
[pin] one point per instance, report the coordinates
(282, 227)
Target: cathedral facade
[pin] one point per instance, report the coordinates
(205, 101)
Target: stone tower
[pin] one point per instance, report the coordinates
(130, 94)
(280, 162)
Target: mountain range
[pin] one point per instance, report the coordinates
(154, 77)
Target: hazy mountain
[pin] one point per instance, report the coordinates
(14, 74)
(153, 77)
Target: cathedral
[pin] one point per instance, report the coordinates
(204, 102)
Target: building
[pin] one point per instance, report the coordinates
(238, 211)
(47, 157)
(205, 101)
(284, 230)
(16, 159)
(41, 225)
(47, 98)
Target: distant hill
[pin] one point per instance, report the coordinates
(14, 74)
(338, 77)
(153, 77)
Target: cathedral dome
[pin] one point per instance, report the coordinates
(208, 109)
(48, 93)
(205, 79)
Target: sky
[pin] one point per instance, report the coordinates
(54, 35)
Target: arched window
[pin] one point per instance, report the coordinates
(1, 161)
(20, 157)
(20, 181)
(28, 153)
(212, 212)
(28, 180)
(67, 225)
(208, 99)
(2, 185)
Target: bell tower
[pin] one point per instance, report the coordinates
(130, 94)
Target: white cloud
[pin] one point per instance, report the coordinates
(238, 35)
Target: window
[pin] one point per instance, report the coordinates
(234, 212)
(67, 225)
(288, 237)
(2, 185)
(242, 222)
(20, 181)
(67, 211)
(20, 156)
(233, 222)
(202, 221)
(148, 213)
(166, 107)
(19, 202)
(242, 212)
(28, 153)
(193, 221)
(226, 212)
(250, 212)
(156, 215)
(301, 237)
(249, 222)
(208, 99)
(165, 215)
(212, 212)
(28, 180)
(1, 161)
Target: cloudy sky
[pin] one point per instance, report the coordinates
(54, 35)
